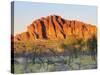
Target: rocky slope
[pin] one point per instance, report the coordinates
(55, 27)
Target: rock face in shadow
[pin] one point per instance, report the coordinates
(55, 27)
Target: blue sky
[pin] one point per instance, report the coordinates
(26, 12)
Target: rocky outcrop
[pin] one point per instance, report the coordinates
(54, 27)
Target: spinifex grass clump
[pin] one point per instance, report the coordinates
(59, 55)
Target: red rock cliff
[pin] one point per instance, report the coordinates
(55, 27)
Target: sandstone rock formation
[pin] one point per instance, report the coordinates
(55, 27)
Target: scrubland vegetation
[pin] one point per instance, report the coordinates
(55, 55)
